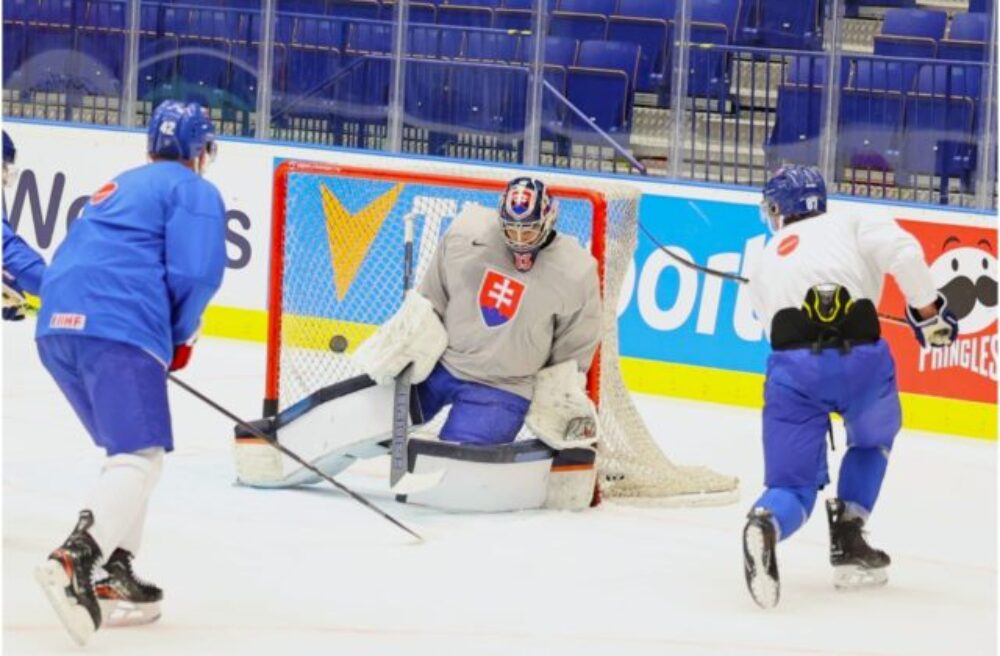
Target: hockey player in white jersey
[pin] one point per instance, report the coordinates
(815, 290)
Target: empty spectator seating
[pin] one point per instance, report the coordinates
(601, 85)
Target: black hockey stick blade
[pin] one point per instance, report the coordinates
(256, 432)
(400, 425)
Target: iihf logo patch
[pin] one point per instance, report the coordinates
(499, 298)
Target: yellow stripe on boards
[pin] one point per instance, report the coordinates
(920, 412)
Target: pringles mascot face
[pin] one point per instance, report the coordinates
(967, 275)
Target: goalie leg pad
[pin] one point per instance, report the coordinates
(482, 478)
(332, 428)
(573, 480)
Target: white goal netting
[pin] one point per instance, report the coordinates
(337, 272)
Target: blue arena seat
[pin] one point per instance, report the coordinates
(604, 7)
(491, 46)
(491, 100)
(578, 26)
(938, 135)
(980, 6)
(652, 36)
(926, 23)
(513, 19)
(559, 51)
(798, 119)
(465, 15)
(665, 9)
(601, 85)
(712, 22)
(785, 25)
(366, 9)
(969, 27)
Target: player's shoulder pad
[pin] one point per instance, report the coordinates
(198, 196)
(566, 253)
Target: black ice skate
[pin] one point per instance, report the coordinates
(125, 599)
(855, 563)
(66, 579)
(760, 564)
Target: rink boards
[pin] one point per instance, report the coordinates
(683, 333)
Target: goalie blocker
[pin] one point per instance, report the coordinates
(352, 420)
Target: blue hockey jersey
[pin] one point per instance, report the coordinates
(140, 263)
(21, 261)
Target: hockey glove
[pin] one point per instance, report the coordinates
(414, 334)
(14, 303)
(561, 414)
(939, 330)
(182, 353)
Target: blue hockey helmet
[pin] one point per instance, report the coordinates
(793, 193)
(181, 131)
(527, 216)
(9, 151)
(9, 156)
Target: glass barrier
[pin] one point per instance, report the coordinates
(889, 102)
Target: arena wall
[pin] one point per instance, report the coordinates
(683, 333)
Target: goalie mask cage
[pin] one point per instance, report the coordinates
(336, 274)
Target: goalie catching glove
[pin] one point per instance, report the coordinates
(414, 334)
(561, 413)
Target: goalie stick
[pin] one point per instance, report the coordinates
(256, 432)
(732, 276)
(401, 396)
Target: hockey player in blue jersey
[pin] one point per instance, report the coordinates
(815, 290)
(122, 304)
(22, 266)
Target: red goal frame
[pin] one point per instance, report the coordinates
(599, 220)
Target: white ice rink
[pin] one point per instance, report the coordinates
(296, 572)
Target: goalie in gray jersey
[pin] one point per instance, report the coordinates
(503, 328)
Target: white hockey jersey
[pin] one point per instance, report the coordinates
(505, 325)
(842, 249)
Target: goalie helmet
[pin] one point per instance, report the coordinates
(527, 217)
(180, 131)
(792, 194)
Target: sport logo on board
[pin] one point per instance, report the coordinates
(499, 298)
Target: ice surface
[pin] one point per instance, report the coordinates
(268, 572)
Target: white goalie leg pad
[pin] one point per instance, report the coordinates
(573, 479)
(414, 334)
(332, 429)
(561, 413)
(479, 478)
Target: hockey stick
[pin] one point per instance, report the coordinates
(732, 276)
(256, 432)
(401, 396)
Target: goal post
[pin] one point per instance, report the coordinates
(336, 275)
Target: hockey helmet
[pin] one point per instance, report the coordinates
(181, 131)
(527, 216)
(9, 157)
(793, 193)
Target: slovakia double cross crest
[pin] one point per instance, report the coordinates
(499, 298)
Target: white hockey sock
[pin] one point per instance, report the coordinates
(119, 499)
(133, 538)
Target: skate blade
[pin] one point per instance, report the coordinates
(118, 612)
(854, 577)
(75, 618)
(764, 590)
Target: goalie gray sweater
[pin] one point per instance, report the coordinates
(505, 325)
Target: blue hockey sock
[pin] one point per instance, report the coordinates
(861, 474)
(791, 506)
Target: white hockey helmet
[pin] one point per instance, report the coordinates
(527, 217)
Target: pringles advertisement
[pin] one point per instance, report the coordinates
(963, 261)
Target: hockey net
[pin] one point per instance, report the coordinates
(337, 271)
